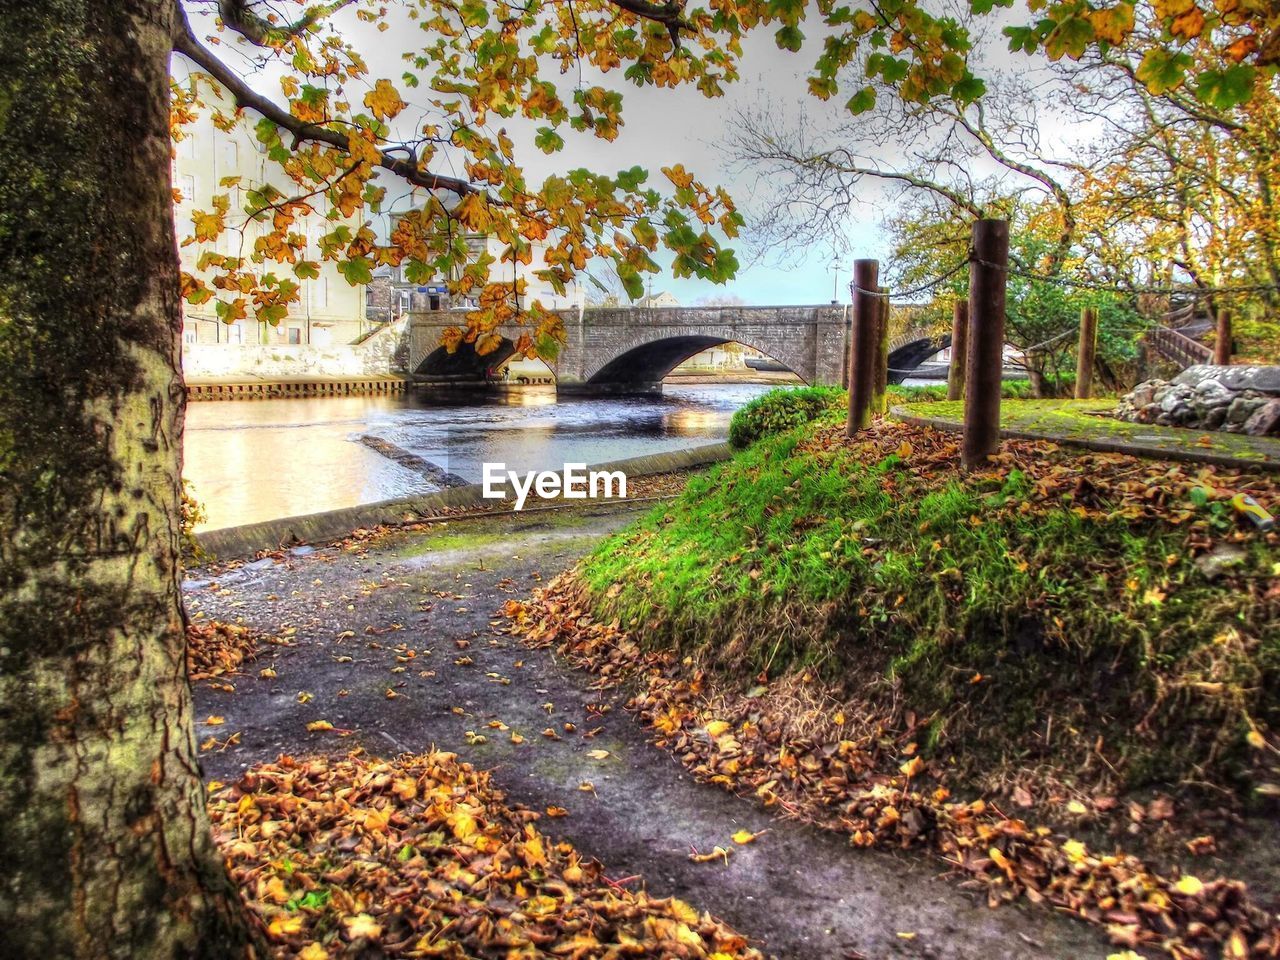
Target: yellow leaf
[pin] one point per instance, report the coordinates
(717, 727)
(215, 721)
(904, 449)
(362, 925)
(313, 951)
(683, 912)
(384, 100)
(1078, 808)
(463, 825)
(1188, 885)
(912, 766)
(285, 926)
(1075, 850)
(598, 754)
(304, 697)
(717, 854)
(1255, 740)
(319, 725)
(745, 836)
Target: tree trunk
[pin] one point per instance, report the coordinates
(107, 847)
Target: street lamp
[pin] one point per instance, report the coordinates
(835, 269)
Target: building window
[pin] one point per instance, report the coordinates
(230, 159)
(189, 334)
(295, 334)
(235, 333)
(320, 293)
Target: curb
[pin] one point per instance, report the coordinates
(232, 543)
(1101, 445)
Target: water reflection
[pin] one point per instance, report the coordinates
(255, 460)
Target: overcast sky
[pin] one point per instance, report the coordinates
(661, 128)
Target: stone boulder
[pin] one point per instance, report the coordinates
(1265, 420)
(1205, 397)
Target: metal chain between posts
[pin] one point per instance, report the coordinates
(854, 289)
(1020, 270)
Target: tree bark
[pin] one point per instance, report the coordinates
(108, 851)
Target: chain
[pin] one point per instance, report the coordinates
(854, 289)
(1019, 270)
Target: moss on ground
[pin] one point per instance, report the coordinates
(1051, 611)
(1088, 420)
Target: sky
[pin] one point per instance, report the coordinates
(661, 128)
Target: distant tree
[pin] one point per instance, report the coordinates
(603, 287)
(720, 300)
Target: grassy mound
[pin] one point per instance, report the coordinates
(1091, 613)
(780, 410)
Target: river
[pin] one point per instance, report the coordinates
(261, 459)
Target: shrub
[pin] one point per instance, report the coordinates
(779, 410)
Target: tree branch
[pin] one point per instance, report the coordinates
(246, 97)
(237, 15)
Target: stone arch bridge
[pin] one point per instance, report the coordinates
(630, 350)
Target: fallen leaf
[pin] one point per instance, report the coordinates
(1188, 885)
(362, 925)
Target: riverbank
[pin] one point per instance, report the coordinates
(199, 389)
(1087, 641)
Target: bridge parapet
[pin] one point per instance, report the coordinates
(633, 349)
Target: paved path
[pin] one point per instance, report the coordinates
(803, 893)
(1083, 423)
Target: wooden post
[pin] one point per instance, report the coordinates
(862, 342)
(1085, 353)
(988, 274)
(880, 380)
(959, 350)
(1222, 342)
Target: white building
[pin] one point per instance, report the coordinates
(330, 311)
(407, 296)
(660, 299)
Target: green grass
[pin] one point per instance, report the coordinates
(1079, 419)
(794, 557)
(783, 408)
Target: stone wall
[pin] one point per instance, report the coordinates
(1203, 397)
(227, 362)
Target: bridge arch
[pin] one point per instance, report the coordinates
(647, 360)
(464, 365)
